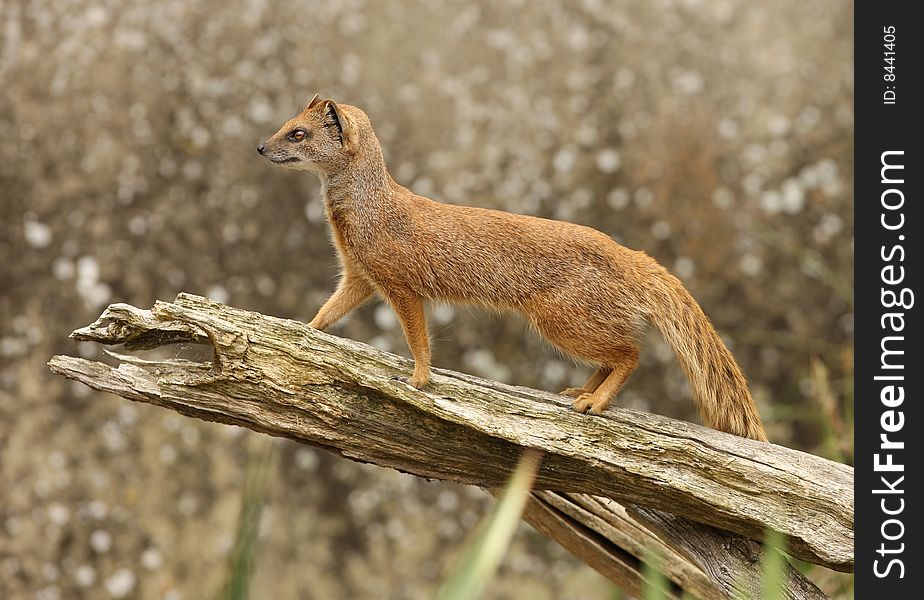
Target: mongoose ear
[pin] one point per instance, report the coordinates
(336, 118)
(314, 101)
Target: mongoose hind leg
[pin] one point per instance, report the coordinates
(596, 402)
(590, 385)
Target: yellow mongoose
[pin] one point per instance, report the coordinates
(586, 294)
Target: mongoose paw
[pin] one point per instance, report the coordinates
(573, 392)
(419, 382)
(588, 403)
(411, 381)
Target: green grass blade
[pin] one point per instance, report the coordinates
(253, 497)
(773, 567)
(654, 582)
(486, 549)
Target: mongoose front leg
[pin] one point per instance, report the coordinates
(409, 309)
(352, 291)
(592, 384)
(596, 402)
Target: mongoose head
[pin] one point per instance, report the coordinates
(324, 138)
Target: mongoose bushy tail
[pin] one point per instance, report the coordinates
(719, 388)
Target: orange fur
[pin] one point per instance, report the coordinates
(586, 294)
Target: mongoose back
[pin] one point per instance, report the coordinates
(582, 291)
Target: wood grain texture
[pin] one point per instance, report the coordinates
(283, 378)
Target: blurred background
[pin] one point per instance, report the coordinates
(715, 135)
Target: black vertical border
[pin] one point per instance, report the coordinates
(881, 127)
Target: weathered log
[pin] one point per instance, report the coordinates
(283, 378)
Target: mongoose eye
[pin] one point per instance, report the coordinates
(297, 135)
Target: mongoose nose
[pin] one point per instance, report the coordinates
(261, 148)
